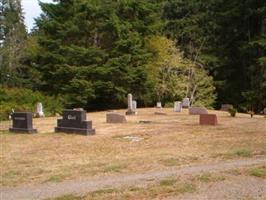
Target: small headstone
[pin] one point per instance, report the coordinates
(159, 105)
(130, 110)
(115, 118)
(178, 106)
(22, 123)
(186, 103)
(134, 106)
(226, 107)
(197, 110)
(39, 110)
(74, 121)
(208, 119)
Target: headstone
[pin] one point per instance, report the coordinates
(115, 118)
(159, 105)
(186, 103)
(134, 106)
(208, 119)
(197, 110)
(226, 107)
(39, 110)
(22, 123)
(130, 110)
(74, 121)
(178, 106)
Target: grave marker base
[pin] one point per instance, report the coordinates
(75, 130)
(20, 130)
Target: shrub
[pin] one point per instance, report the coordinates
(21, 99)
(232, 112)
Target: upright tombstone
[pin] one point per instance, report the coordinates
(134, 106)
(39, 110)
(197, 110)
(208, 119)
(159, 105)
(178, 106)
(226, 107)
(114, 117)
(74, 121)
(130, 110)
(186, 103)
(22, 123)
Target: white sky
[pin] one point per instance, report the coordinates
(32, 10)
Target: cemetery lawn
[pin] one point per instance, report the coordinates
(172, 140)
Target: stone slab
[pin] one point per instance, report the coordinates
(22, 122)
(197, 110)
(115, 118)
(208, 119)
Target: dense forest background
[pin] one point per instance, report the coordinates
(92, 53)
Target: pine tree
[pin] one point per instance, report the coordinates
(13, 36)
(93, 52)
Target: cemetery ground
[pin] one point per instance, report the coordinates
(165, 157)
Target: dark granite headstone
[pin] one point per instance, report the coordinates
(22, 123)
(74, 121)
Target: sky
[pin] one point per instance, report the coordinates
(32, 10)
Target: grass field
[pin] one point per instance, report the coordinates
(173, 140)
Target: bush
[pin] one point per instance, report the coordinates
(25, 100)
(232, 112)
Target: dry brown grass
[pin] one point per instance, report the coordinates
(172, 140)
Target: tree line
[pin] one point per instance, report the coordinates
(91, 53)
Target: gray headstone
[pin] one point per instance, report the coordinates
(178, 106)
(130, 110)
(74, 121)
(197, 110)
(39, 110)
(226, 107)
(186, 103)
(115, 118)
(22, 123)
(159, 105)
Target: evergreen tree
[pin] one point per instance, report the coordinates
(93, 52)
(12, 37)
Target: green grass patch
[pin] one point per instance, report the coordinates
(114, 168)
(68, 197)
(258, 172)
(168, 182)
(169, 162)
(207, 177)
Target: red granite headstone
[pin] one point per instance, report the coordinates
(208, 119)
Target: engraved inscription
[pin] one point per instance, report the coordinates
(70, 117)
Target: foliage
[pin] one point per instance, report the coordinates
(232, 112)
(174, 76)
(12, 43)
(25, 100)
(93, 52)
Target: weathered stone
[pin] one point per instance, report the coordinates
(159, 105)
(226, 107)
(130, 110)
(208, 119)
(22, 122)
(197, 110)
(74, 121)
(186, 103)
(39, 110)
(178, 106)
(115, 118)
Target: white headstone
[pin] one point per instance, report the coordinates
(39, 110)
(178, 106)
(134, 105)
(159, 105)
(186, 103)
(131, 105)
